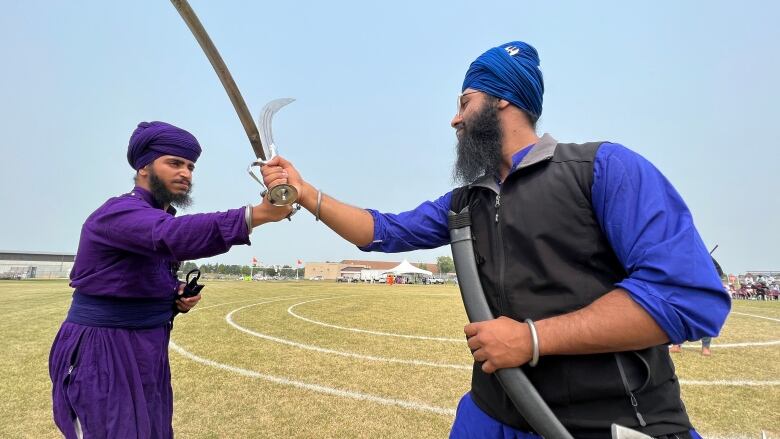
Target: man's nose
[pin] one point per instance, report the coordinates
(456, 120)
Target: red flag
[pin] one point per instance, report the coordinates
(299, 262)
(254, 260)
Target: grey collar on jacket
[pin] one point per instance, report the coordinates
(543, 150)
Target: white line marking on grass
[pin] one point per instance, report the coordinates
(736, 345)
(756, 316)
(729, 383)
(315, 387)
(231, 322)
(365, 331)
(254, 298)
(229, 303)
(744, 344)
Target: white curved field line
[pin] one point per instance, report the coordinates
(744, 344)
(315, 387)
(254, 299)
(303, 385)
(234, 301)
(736, 345)
(756, 316)
(748, 383)
(365, 331)
(390, 401)
(231, 322)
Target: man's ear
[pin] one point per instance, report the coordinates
(503, 103)
(144, 172)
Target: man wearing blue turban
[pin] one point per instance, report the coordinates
(109, 361)
(585, 252)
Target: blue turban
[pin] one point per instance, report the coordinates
(511, 72)
(156, 139)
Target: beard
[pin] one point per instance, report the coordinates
(163, 196)
(479, 146)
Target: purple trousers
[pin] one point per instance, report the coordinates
(111, 382)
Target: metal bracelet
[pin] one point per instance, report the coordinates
(535, 339)
(317, 209)
(248, 218)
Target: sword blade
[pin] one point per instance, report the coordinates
(266, 123)
(189, 17)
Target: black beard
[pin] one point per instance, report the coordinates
(479, 146)
(164, 196)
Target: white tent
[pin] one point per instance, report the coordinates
(406, 268)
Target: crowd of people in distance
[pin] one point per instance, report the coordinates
(754, 287)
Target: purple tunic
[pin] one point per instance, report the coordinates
(116, 381)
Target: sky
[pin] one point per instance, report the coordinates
(691, 85)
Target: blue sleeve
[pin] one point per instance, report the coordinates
(670, 272)
(421, 228)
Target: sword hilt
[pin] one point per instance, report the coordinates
(279, 195)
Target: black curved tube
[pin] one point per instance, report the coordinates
(516, 385)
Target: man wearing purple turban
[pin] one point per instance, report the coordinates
(109, 361)
(586, 253)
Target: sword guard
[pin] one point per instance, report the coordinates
(280, 195)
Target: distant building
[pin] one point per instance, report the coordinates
(321, 270)
(35, 265)
(352, 268)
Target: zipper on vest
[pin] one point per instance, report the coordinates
(501, 268)
(629, 393)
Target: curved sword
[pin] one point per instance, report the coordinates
(282, 194)
(266, 117)
(189, 17)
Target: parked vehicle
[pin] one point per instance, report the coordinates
(347, 279)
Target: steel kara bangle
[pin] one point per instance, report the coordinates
(317, 209)
(248, 218)
(535, 339)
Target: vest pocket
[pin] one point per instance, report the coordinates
(593, 377)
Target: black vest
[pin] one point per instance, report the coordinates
(540, 253)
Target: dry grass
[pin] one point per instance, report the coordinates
(217, 403)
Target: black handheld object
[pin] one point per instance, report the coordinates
(192, 288)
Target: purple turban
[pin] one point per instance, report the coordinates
(156, 139)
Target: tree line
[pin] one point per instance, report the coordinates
(241, 270)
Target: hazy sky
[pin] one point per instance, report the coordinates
(690, 85)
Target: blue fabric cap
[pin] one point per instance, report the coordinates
(511, 72)
(156, 139)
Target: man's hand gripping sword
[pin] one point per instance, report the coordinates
(280, 195)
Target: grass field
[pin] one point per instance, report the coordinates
(317, 359)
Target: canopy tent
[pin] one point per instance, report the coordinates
(406, 268)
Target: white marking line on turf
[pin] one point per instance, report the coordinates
(315, 387)
(745, 344)
(736, 345)
(729, 383)
(756, 316)
(365, 331)
(231, 322)
(252, 299)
